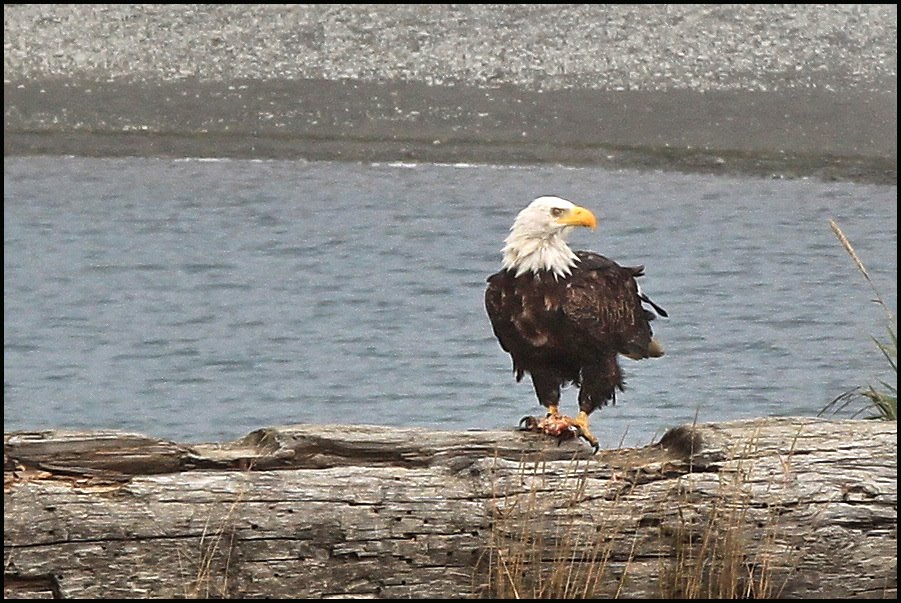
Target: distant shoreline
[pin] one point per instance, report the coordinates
(777, 90)
(788, 134)
(88, 144)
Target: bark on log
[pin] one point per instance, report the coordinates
(790, 507)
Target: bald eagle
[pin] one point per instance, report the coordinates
(565, 316)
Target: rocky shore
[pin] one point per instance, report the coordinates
(788, 90)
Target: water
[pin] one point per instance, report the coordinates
(199, 300)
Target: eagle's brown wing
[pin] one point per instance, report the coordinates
(604, 303)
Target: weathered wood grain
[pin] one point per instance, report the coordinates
(794, 507)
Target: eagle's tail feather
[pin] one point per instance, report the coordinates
(637, 352)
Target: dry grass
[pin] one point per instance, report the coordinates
(729, 554)
(554, 537)
(206, 569)
(205, 578)
(518, 563)
(882, 403)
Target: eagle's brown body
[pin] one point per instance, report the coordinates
(571, 328)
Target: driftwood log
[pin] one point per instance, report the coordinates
(797, 507)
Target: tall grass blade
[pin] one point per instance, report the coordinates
(883, 403)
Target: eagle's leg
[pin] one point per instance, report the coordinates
(530, 423)
(547, 388)
(554, 424)
(560, 426)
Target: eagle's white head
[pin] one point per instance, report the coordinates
(537, 237)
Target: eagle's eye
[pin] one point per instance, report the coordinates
(557, 211)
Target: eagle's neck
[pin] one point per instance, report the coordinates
(524, 253)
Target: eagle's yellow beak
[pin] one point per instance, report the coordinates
(579, 216)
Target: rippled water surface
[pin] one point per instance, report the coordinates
(199, 300)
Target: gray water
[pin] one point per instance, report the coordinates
(199, 300)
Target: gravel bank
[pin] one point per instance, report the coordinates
(789, 90)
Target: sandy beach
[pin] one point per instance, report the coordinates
(783, 91)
